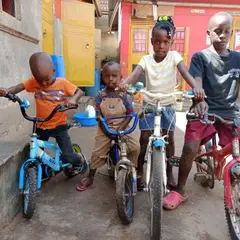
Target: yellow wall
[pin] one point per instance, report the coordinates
(78, 20)
(47, 26)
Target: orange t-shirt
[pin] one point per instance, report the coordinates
(48, 98)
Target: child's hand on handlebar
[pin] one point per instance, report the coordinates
(200, 108)
(199, 93)
(3, 92)
(71, 103)
(122, 87)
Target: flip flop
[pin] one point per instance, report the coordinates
(84, 183)
(173, 200)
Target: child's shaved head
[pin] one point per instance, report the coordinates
(42, 68)
(219, 17)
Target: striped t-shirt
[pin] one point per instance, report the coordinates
(161, 76)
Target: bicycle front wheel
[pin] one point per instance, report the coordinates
(233, 215)
(124, 196)
(156, 192)
(29, 192)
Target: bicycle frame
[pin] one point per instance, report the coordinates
(221, 169)
(122, 161)
(156, 140)
(39, 156)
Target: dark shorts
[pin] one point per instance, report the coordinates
(196, 130)
(168, 120)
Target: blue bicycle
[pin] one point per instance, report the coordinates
(121, 169)
(30, 179)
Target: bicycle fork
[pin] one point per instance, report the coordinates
(126, 164)
(149, 163)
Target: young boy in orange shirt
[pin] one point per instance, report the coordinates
(49, 93)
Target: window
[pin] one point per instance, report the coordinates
(8, 6)
(140, 41)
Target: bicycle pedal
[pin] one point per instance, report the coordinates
(200, 177)
(174, 161)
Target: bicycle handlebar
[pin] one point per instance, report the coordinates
(205, 120)
(122, 132)
(25, 104)
(158, 96)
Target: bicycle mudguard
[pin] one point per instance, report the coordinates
(124, 164)
(22, 173)
(227, 181)
(158, 143)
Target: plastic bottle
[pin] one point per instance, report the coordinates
(90, 111)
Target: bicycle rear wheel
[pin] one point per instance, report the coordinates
(233, 215)
(209, 168)
(124, 196)
(156, 192)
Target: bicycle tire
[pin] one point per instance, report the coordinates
(125, 208)
(231, 215)
(29, 192)
(156, 193)
(210, 168)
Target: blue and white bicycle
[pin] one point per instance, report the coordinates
(30, 179)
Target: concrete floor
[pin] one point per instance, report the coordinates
(63, 213)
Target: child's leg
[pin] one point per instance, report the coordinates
(133, 148)
(68, 155)
(144, 138)
(101, 148)
(196, 134)
(168, 125)
(170, 151)
(146, 125)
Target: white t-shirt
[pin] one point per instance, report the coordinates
(161, 76)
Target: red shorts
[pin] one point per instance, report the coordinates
(196, 130)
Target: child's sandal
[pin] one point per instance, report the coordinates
(84, 183)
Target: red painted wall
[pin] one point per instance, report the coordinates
(57, 8)
(197, 23)
(124, 43)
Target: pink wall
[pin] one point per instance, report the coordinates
(124, 44)
(197, 23)
(196, 18)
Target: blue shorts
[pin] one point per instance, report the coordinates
(168, 120)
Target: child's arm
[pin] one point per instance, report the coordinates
(123, 85)
(134, 75)
(196, 85)
(182, 68)
(75, 98)
(14, 89)
(127, 100)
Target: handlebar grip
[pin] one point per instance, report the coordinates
(64, 107)
(11, 97)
